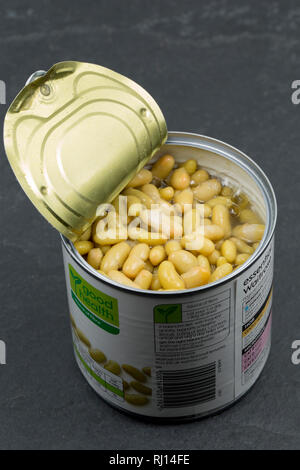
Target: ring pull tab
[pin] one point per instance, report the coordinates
(34, 76)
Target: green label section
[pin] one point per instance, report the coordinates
(96, 377)
(168, 313)
(100, 308)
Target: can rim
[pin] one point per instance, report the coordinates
(190, 139)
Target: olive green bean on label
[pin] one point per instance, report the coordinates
(82, 337)
(134, 372)
(183, 228)
(72, 321)
(147, 371)
(113, 367)
(126, 385)
(141, 388)
(135, 399)
(97, 355)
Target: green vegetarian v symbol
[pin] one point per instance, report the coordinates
(166, 312)
(76, 280)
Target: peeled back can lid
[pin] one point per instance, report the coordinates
(75, 137)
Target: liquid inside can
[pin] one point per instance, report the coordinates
(178, 356)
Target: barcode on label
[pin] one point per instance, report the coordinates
(186, 387)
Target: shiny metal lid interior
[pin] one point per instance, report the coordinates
(75, 136)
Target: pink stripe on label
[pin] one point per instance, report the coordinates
(254, 352)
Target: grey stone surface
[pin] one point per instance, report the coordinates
(221, 68)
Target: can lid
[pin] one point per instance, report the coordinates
(75, 136)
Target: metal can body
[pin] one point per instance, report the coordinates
(168, 355)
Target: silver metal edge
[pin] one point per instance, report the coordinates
(34, 76)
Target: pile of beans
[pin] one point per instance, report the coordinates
(231, 230)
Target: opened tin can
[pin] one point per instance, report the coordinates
(75, 136)
(191, 353)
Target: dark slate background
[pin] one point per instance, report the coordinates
(221, 68)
